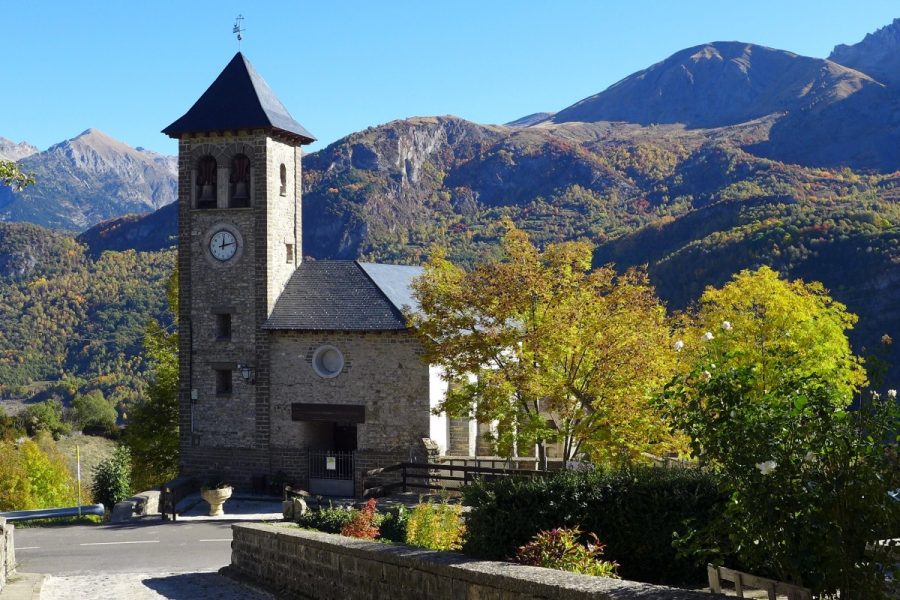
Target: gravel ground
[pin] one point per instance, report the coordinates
(146, 586)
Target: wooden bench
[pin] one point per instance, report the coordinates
(719, 574)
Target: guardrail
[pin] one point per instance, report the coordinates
(54, 513)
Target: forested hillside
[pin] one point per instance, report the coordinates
(71, 320)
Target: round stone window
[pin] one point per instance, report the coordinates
(328, 361)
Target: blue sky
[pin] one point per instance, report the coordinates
(131, 68)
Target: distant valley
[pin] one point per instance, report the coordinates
(721, 157)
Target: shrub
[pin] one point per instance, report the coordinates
(362, 523)
(34, 475)
(112, 478)
(435, 526)
(560, 549)
(94, 413)
(330, 519)
(45, 416)
(392, 524)
(637, 511)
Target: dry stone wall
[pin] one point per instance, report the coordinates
(307, 564)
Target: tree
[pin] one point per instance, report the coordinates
(548, 349)
(764, 399)
(93, 411)
(152, 431)
(784, 330)
(45, 416)
(11, 175)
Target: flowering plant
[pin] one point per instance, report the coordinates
(560, 549)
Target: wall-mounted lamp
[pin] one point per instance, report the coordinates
(247, 373)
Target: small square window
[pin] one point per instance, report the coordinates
(289, 252)
(223, 381)
(223, 326)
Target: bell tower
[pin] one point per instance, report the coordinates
(239, 241)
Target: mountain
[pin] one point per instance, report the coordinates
(719, 84)
(792, 162)
(10, 150)
(144, 233)
(88, 179)
(877, 55)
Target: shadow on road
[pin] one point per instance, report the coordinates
(195, 586)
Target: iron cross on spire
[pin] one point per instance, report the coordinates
(238, 30)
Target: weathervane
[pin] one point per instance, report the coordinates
(238, 30)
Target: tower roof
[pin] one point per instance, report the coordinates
(239, 98)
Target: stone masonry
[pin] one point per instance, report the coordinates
(296, 563)
(220, 430)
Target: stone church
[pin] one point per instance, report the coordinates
(290, 369)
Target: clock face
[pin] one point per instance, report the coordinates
(222, 245)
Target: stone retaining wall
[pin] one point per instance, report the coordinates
(321, 566)
(7, 552)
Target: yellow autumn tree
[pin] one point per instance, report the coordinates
(549, 349)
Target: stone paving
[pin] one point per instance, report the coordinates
(147, 586)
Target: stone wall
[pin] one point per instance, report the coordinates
(7, 552)
(383, 371)
(307, 564)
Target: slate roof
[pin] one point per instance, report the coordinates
(239, 98)
(338, 295)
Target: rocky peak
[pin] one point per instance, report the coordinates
(877, 55)
(9, 150)
(719, 84)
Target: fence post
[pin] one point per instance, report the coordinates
(403, 475)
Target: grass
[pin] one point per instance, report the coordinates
(82, 520)
(93, 450)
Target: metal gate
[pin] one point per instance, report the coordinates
(331, 472)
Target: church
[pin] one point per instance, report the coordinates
(290, 369)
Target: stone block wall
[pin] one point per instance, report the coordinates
(319, 566)
(7, 552)
(383, 371)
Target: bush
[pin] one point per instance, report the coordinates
(637, 511)
(34, 475)
(560, 549)
(94, 413)
(330, 520)
(112, 478)
(45, 416)
(435, 526)
(392, 524)
(362, 524)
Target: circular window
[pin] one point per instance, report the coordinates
(328, 361)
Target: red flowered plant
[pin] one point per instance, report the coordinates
(362, 525)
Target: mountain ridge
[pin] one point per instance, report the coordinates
(87, 179)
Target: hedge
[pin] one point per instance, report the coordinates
(637, 512)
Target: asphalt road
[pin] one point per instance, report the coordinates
(147, 546)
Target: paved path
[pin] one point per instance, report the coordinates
(143, 559)
(147, 586)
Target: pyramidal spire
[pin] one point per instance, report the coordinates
(239, 98)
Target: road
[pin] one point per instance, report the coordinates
(146, 560)
(146, 546)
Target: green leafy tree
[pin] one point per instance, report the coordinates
(764, 402)
(549, 349)
(93, 411)
(45, 416)
(112, 478)
(152, 431)
(12, 175)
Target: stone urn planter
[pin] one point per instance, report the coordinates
(216, 497)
